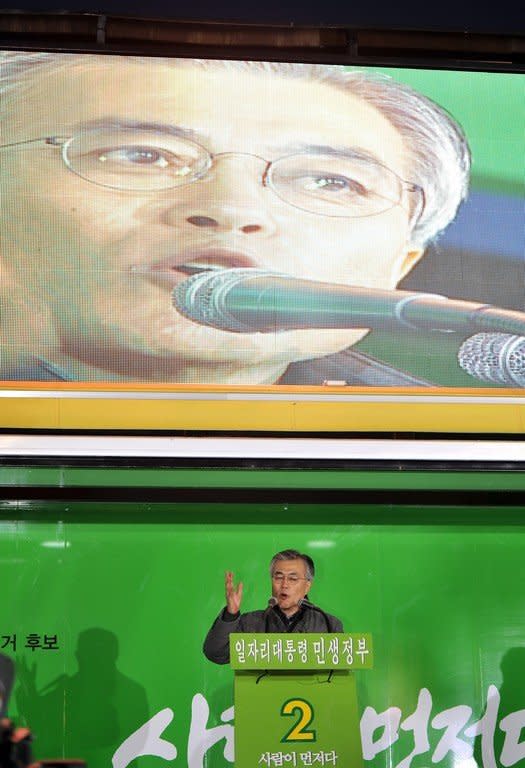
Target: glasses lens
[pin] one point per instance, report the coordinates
(335, 185)
(141, 161)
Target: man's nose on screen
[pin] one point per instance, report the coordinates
(230, 198)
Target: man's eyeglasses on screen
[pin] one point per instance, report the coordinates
(320, 180)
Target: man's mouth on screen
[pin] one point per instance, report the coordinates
(170, 271)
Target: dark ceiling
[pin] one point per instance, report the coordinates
(504, 17)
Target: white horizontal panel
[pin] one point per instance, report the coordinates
(263, 448)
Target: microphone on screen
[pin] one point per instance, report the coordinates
(497, 358)
(256, 301)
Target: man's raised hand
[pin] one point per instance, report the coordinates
(233, 594)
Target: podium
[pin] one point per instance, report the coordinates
(295, 698)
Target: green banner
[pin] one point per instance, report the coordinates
(301, 651)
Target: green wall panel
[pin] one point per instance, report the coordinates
(130, 591)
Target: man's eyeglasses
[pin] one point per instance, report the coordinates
(291, 578)
(327, 183)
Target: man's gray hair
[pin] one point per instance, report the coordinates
(293, 554)
(436, 147)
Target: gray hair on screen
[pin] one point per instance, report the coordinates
(436, 146)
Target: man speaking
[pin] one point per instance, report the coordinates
(123, 177)
(288, 609)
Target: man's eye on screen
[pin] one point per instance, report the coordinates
(335, 184)
(132, 155)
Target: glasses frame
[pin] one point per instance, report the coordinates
(63, 143)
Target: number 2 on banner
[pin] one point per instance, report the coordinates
(298, 731)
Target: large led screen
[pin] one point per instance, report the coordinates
(198, 222)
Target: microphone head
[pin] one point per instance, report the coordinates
(304, 601)
(272, 601)
(497, 358)
(201, 298)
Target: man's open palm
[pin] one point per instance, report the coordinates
(233, 594)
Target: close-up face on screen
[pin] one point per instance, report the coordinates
(148, 205)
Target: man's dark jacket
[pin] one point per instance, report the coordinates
(310, 619)
(350, 366)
